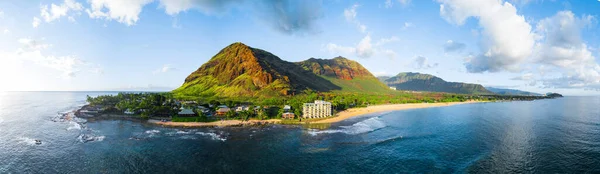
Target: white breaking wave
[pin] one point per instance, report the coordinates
(152, 131)
(27, 141)
(84, 138)
(212, 136)
(74, 126)
(364, 126)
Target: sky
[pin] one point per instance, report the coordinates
(96, 45)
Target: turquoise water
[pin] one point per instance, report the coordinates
(544, 136)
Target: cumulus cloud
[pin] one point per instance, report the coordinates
(165, 68)
(286, 16)
(453, 46)
(126, 12)
(211, 7)
(36, 22)
(53, 12)
(507, 38)
(421, 62)
(561, 46)
(350, 15)
(290, 16)
(31, 52)
(364, 48)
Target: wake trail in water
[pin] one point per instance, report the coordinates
(364, 126)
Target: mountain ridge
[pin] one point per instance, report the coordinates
(425, 82)
(239, 70)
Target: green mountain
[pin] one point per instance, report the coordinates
(425, 82)
(242, 71)
(503, 91)
(350, 75)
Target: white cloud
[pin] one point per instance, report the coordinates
(53, 12)
(123, 11)
(338, 49)
(32, 44)
(364, 49)
(68, 66)
(165, 68)
(390, 54)
(6, 31)
(350, 15)
(36, 22)
(561, 46)
(507, 40)
(525, 77)
(421, 62)
(453, 46)
(407, 25)
(174, 7)
(384, 41)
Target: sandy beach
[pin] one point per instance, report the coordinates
(354, 112)
(215, 123)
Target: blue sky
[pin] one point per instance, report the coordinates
(535, 45)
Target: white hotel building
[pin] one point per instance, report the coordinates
(318, 109)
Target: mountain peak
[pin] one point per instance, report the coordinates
(338, 67)
(240, 70)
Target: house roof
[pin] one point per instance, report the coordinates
(186, 112)
(223, 110)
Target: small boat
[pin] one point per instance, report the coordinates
(38, 142)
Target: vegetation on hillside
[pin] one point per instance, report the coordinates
(425, 82)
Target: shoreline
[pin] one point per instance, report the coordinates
(341, 116)
(223, 123)
(356, 112)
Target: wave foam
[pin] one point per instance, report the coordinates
(152, 131)
(84, 138)
(27, 141)
(74, 126)
(364, 126)
(213, 136)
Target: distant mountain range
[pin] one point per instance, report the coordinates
(425, 82)
(242, 71)
(502, 91)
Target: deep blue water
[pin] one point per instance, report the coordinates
(544, 136)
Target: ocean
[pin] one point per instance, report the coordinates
(544, 136)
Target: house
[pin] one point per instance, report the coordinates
(287, 115)
(242, 108)
(129, 111)
(393, 88)
(186, 112)
(203, 109)
(222, 111)
(318, 109)
(287, 108)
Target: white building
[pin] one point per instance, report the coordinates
(393, 88)
(318, 109)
